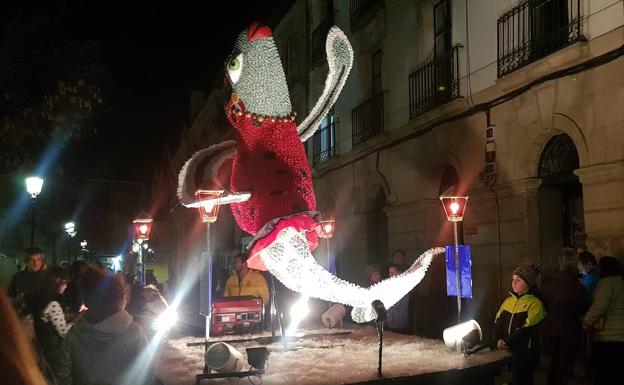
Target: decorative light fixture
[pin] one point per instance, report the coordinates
(83, 243)
(70, 229)
(33, 186)
(142, 226)
(142, 229)
(454, 207)
(208, 204)
(327, 228)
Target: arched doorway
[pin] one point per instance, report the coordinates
(378, 231)
(561, 218)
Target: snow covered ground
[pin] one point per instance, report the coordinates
(325, 359)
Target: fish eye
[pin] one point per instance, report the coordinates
(234, 67)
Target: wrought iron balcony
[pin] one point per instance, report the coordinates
(359, 8)
(367, 119)
(319, 36)
(434, 84)
(535, 29)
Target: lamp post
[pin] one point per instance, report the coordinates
(70, 229)
(208, 206)
(33, 187)
(142, 229)
(454, 207)
(328, 227)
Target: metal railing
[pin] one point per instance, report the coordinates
(359, 8)
(434, 84)
(319, 36)
(535, 29)
(367, 119)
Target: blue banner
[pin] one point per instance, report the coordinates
(465, 271)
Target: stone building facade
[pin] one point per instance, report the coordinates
(516, 104)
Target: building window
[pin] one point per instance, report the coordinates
(324, 140)
(436, 82)
(319, 35)
(377, 72)
(287, 59)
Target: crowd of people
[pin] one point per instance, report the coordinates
(72, 325)
(578, 310)
(82, 324)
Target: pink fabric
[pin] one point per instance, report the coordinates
(300, 222)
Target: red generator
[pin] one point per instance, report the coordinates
(236, 315)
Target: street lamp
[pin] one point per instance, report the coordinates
(327, 228)
(33, 187)
(142, 229)
(454, 207)
(208, 206)
(70, 229)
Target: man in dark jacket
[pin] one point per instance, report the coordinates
(516, 327)
(563, 297)
(25, 282)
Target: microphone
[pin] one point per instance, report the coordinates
(380, 311)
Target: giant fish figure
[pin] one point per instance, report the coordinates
(270, 184)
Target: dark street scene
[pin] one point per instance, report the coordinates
(312, 192)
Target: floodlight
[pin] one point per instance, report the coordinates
(380, 311)
(166, 320)
(224, 358)
(463, 336)
(257, 357)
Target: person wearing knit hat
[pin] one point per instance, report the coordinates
(529, 274)
(516, 326)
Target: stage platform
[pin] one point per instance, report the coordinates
(346, 356)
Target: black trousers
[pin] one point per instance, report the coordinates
(523, 372)
(607, 362)
(562, 353)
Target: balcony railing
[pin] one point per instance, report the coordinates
(319, 36)
(367, 119)
(359, 8)
(434, 84)
(535, 29)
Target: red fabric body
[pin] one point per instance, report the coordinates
(271, 163)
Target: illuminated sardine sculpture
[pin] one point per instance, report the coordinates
(270, 185)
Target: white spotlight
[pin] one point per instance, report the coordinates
(166, 320)
(464, 335)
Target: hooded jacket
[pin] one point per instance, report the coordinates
(517, 323)
(101, 353)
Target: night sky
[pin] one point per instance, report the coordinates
(155, 53)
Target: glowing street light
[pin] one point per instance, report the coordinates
(327, 228)
(70, 229)
(33, 187)
(142, 229)
(454, 207)
(208, 206)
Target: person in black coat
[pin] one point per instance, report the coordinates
(563, 297)
(25, 282)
